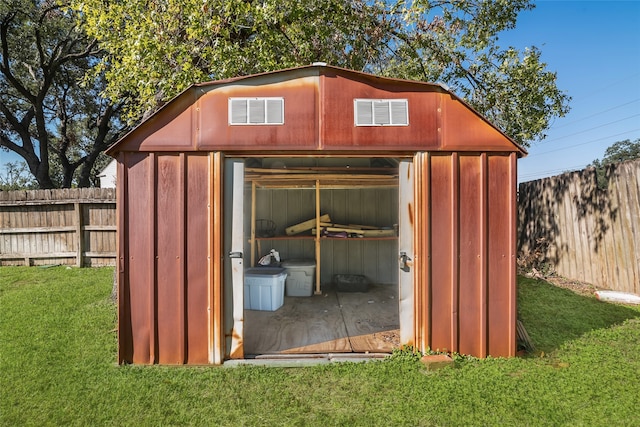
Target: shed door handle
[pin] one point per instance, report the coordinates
(404, 262)
(235, 254)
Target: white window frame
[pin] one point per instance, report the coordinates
(381, 103)
(252, 120)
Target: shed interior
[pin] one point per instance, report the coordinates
(355, 203)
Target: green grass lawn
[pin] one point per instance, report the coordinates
(58, 353)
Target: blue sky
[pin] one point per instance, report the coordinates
(594, 46)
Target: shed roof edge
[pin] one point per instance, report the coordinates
(315, 67)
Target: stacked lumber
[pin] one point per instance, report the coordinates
(305, 225)
(329, 229)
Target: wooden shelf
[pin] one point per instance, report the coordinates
(326, 238)
(286, 238)
(315, 178)
(328, 178)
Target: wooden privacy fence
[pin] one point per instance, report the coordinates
(68, 226)
(584, 232)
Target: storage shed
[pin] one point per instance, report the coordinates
(396, 184)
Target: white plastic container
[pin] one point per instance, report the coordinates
(300, 277)
(264, 288)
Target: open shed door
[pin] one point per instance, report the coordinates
(406, 255)
(236, 256)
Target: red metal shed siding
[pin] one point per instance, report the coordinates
(501, 301)
(466, 278)
(300, 129)
(337, 115)
(170, 209)
(164, 287)
(135, 331)
(319, 116)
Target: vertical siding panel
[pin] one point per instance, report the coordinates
(153, 255)
(500, 228)
(215, 249)
(169, 256)
(455, 251)
(181, 302)
(140, 257)
(470, 255)
(442, 247)
(484, 250)
(125, 337)
(197, 263)
(510, 338)
(423, 256)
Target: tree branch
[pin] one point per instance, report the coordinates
(5, 67)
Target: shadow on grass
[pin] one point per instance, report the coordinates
(554, 315)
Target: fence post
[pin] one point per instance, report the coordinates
(79, 233)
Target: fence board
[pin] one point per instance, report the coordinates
(67, 226)
(593, 234)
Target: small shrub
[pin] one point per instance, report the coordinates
(534, 262)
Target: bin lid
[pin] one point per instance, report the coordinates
(264, 271)
(299, 263)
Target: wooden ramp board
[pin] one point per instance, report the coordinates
(328, 323)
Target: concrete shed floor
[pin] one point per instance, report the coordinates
(334, 322)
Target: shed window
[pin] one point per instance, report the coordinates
(256, 111)
(381, 112)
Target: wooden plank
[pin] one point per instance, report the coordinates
(321, 177)
(355, 226)
(364, 233)
(323, 169)
(39, 202)
(99, 227)
(71, 254)
(306, 225)
(111, 254)
(57, 196)
(36, 230)
(79, 235)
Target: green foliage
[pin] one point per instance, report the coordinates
(618, 152)
(16, 177)
(157, 49)
(621, 151)
(52, 113)
(57, 367)
(406, 353)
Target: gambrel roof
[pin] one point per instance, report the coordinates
(319, 104)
